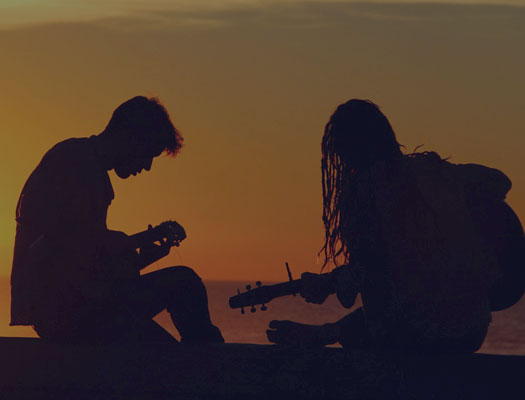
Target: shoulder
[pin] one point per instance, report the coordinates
(482, 180)
(70, 154)
(465, 172)
(63, 161)
(69, 148)
(424, 160)
(478, 172)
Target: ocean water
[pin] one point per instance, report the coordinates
(506, 333)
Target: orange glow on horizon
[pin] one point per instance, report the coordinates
(251, 96)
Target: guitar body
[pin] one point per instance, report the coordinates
(501, 229)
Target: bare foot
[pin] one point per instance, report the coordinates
(294, 333)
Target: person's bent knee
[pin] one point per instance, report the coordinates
(181, 272)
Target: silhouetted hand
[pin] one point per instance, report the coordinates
(303, 335)
(315, 288)
(153, 252)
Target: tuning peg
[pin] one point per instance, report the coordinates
(263, 308)
(242, 308)
(253, 309)
(248, 287)
(289, 273)
(258, 283)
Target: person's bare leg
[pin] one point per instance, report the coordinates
(303, 335)
(187, 302)
(350, 331)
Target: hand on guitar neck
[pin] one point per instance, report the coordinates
(155, 242)
(345, 281)
(314, 288)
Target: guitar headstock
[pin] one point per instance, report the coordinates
(252, 297)
(170, 231)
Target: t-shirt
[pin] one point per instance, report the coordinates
(60, 213)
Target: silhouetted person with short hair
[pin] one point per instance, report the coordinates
(411, 234)
(73, 279)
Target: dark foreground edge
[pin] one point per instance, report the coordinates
(32, 369)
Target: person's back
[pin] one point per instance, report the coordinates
(427, 252)
(61, 212)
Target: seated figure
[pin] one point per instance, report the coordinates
(73, 279)
(430, 246)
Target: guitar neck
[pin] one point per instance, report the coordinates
(264, 294)
(289, 287)
(285, 288)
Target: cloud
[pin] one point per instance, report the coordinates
(315, 14)
(215, 13)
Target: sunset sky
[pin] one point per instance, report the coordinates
(250, 84)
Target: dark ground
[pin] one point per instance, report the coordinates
(36, 370)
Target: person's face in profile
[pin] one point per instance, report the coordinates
(137, 155)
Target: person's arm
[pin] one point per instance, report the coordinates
(345, 281)
(117, 245)
(349, 281)
(150, 254)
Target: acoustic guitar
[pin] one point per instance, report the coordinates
(499, 226)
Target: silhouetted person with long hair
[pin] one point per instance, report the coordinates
(73, 279)
(411, 233)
